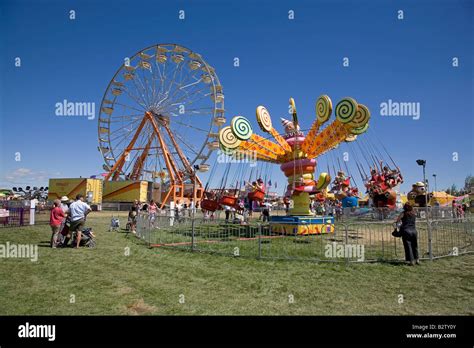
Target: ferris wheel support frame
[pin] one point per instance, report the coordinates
(116, 169)
(176, 190)
(138, 166)
(195, 181)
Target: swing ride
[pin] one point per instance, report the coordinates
(380, 186)
(383, 180)
(159, 120)
(241, 194)
(296, 153)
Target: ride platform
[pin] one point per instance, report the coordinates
(302, 225)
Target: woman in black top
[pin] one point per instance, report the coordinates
(409, 235)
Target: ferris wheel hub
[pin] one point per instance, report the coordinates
(162, 120)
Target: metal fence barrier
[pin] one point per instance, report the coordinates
(352, 241)
(18, 214)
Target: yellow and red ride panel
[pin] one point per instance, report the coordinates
(301, 225)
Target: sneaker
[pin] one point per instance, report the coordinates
(418, 262)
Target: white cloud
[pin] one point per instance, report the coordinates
(26, 176)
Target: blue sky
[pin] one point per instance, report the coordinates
(407, 60)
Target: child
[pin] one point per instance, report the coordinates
(56, 218)
(132, 219)
(152, 209)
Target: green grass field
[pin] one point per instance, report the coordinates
(104, 281)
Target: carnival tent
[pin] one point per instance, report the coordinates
(443, 198)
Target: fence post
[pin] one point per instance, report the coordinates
(259, 232)
(21, 215)
(430, 240)
(150, 229)
(192, 232)
(32, 212)
(346, 240)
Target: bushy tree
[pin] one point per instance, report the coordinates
(452, 190)
(468, 183)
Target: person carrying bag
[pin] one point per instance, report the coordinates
(408, 234)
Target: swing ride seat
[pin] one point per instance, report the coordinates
(209, 205)
(257, 195)
(231, 201)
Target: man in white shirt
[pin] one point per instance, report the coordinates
(78, 211)
(266, 211)
(192, 208)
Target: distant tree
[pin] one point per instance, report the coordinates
(452, 190)
(468, 183)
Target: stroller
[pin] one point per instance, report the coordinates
(114, 224)
(87, 238)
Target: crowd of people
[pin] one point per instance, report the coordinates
(180, 211)
(458, 210)
(243, 211)
(327, 207)
(67, 221)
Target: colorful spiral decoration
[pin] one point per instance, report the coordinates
(360, 130)
(346, 110)
(350, 137)
(361, 117)
(226, 151)
(241, 128)
(264, 120)
(227, 139)
(323, 108)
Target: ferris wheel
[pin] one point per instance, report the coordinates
(160, 117)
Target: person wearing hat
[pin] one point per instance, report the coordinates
(64, 228)
(64, 204)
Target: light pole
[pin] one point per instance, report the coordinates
(422, 162)
(434, 176)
